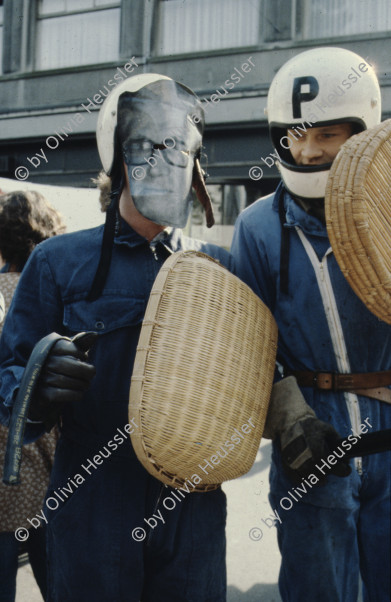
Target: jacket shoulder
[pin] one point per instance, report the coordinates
(260, 207)
(260, 216)
(73, 242)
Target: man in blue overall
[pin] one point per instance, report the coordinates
(329, 528)
(149, 139)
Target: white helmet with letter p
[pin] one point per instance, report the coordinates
(319, 87)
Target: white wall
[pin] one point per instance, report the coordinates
(79, 206)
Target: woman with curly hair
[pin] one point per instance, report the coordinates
(26, 219)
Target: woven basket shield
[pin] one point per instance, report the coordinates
(204, 367)
(358, 216)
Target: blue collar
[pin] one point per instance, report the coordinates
(296, 216)
(170, 237)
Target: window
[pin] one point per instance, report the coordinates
(77, 32)
(328, 18)
(196, 25)
(1, 35)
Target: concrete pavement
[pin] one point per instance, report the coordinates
(252, 564)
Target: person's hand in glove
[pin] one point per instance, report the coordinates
(65, 376)
(305, 440)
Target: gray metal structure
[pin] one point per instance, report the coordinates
(52, 111)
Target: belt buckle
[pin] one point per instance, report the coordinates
(328, 383)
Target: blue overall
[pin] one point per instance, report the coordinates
(99, 493)
(330, 533)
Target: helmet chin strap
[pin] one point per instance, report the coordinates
(202, 193)
(311, 206)
(118, 181)
(285, 242)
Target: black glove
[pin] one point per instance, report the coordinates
(64, 378)
(306, 444)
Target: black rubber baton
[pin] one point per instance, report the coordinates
(13, 454)
(371, 443)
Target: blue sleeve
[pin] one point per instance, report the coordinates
(252, 266)
(251, 262)
(35, 311)
(223, 256)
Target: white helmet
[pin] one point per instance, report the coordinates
(107, 118)
(319, 87)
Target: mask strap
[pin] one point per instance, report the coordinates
(107, 246)
(117, 185)
(202, 193)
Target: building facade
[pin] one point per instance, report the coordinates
(60, 58)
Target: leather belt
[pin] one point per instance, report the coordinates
(370, 384)
(380, 393)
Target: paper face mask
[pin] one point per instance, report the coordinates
(160, 132)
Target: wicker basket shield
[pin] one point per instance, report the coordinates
(202, 375)
(358, 216)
